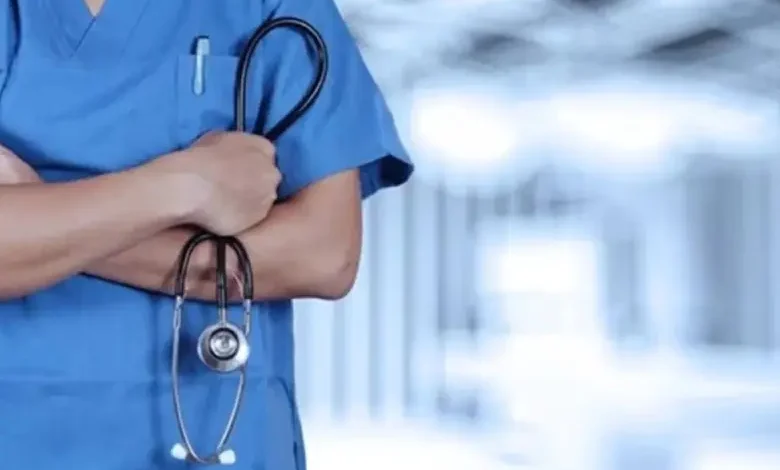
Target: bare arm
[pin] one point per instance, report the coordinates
(308, 246)
(52, 231)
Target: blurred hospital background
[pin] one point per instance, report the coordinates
(583, 274)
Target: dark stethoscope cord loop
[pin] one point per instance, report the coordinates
(308, 98)
(244, 264)
(223, 333)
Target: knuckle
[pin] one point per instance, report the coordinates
(264, 145)
(269, 148)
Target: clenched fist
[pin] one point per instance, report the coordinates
(236, 180)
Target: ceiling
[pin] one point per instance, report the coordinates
(730, 42)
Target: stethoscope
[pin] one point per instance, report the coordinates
(224, 346)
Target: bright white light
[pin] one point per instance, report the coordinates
(487, 136)
(722, 456)
(549, 278)
(463, 129)
(627, 127)
(402, 445)
(471, 138)
(739, 126)
(545, 266)
(637, 127)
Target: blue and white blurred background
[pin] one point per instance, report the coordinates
(583, 275)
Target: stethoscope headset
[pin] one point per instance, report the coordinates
(224, 346)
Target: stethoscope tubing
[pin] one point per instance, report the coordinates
(223, 242)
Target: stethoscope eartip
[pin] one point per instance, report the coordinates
(226, 457)
(178, 452)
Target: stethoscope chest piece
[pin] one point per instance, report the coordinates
(223, 347)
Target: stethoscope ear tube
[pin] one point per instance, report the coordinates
(223, 346)
(312, 92)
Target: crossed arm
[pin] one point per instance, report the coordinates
(308, 246)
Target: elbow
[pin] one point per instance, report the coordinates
(338, 277)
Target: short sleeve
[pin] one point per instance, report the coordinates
(348, 127)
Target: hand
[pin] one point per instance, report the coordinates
(237, 180)
(13, 170)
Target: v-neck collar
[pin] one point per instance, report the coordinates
(105, 35)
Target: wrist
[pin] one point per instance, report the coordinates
(179, 193)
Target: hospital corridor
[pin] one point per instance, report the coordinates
(583, 272)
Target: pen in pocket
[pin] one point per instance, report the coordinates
(202, 49)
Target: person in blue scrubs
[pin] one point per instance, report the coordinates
(106, 166)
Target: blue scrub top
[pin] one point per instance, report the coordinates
(84, 365)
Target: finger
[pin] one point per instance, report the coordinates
(15, 171)
(4, 151)
(262, 144)
(9, 170)
(269, 148)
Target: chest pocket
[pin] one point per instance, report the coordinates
(70, 122)
(213, 108)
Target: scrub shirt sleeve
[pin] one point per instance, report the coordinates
(348, 127)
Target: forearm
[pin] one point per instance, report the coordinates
(296, 253)
(151, 263)
(308, 246)
(292, 254)
(52, 231)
